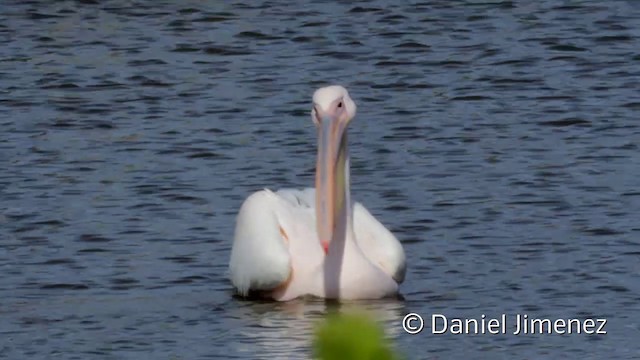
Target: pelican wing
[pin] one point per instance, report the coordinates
(260, 257)
(302, 198)
(378, 243)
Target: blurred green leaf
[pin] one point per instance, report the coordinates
(352, 337)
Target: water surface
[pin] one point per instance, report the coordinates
(497, 140)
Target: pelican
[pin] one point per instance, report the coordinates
(316, 242)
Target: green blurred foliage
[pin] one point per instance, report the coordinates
(351, 337)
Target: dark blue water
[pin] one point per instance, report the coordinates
(498, 140)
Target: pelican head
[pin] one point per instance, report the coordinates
(333, 101)
(332, 111)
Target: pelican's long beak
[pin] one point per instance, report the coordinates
(330, 178)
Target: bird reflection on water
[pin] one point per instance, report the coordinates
(280, 330)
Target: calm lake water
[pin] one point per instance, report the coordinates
(498, 140)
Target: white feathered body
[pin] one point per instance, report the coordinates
(276, 251)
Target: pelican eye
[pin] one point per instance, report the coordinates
(340, 104)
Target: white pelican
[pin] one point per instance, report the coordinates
(293, 243)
